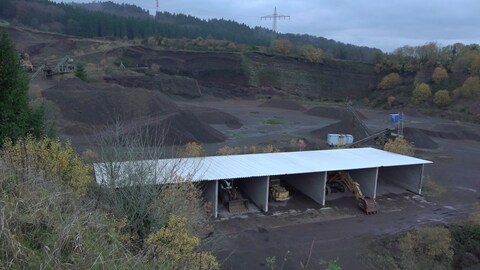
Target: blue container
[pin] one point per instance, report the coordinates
(394, 118)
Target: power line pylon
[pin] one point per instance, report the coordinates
(275, 17)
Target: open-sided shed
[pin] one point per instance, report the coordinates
(304, 170)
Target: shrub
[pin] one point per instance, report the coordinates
(442, 98)
(400, 146)
(174, 245)
(282, 46)
(46, 225)
(439, 74)
(426, 248)
(227, 150)
(390, 81)
(56, 161)
(391, 100)
(192, 149)
(80, 72)
(312, 54)
(421, 94)
(471, 88)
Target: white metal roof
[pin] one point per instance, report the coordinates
(270, 164)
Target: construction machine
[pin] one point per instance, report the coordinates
(277, 192)
(367, 204)
(231, 197)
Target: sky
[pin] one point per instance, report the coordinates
(383, 24)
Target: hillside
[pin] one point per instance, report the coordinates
(130, 22)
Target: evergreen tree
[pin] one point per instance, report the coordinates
(16, 117)
(80, 72)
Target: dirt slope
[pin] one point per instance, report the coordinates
(346, 125)
(88, 107)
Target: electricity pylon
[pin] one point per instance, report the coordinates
(275, 17)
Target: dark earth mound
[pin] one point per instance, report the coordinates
(347, 124)
(283, 104)
(452, 132)
(419, 138)
(84, 106)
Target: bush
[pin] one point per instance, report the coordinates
(391, 100)
(227, 150)
(390, 81)
(421, 94)
(50, 157)
(471, 88)
(442, 98)
(192, 149)
(426, 248)
(282, 46)
(174, 246)
(80, 72)
(439, 74)
(312, 54)
(400, 146)
(46, 225)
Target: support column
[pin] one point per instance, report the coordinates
(255, 189)
(211, 192)
(310, 184)
(367, 178)
(408, 177)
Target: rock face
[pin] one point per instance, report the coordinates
(167, 84)
(234, 74)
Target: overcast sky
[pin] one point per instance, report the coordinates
(384, 24)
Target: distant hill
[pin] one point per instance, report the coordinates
(101, 19)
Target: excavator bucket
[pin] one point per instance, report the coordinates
(238, 206)
(368, 205)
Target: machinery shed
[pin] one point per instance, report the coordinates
(306, 171)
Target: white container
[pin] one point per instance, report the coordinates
(339, 139)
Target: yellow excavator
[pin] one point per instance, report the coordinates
(340, 179)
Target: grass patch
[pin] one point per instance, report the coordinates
(433, 189)
(236, 134)
(276, 120)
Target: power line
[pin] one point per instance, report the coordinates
(275, 16)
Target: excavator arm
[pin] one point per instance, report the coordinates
(368, 205)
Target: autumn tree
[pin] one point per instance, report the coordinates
(442, 98)
(16, 117)
(471, 88)
(312, 54)
(192, 149)
(439, 74)
(390, 81)
(282, 46)
(421, 94)
(400, 146)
